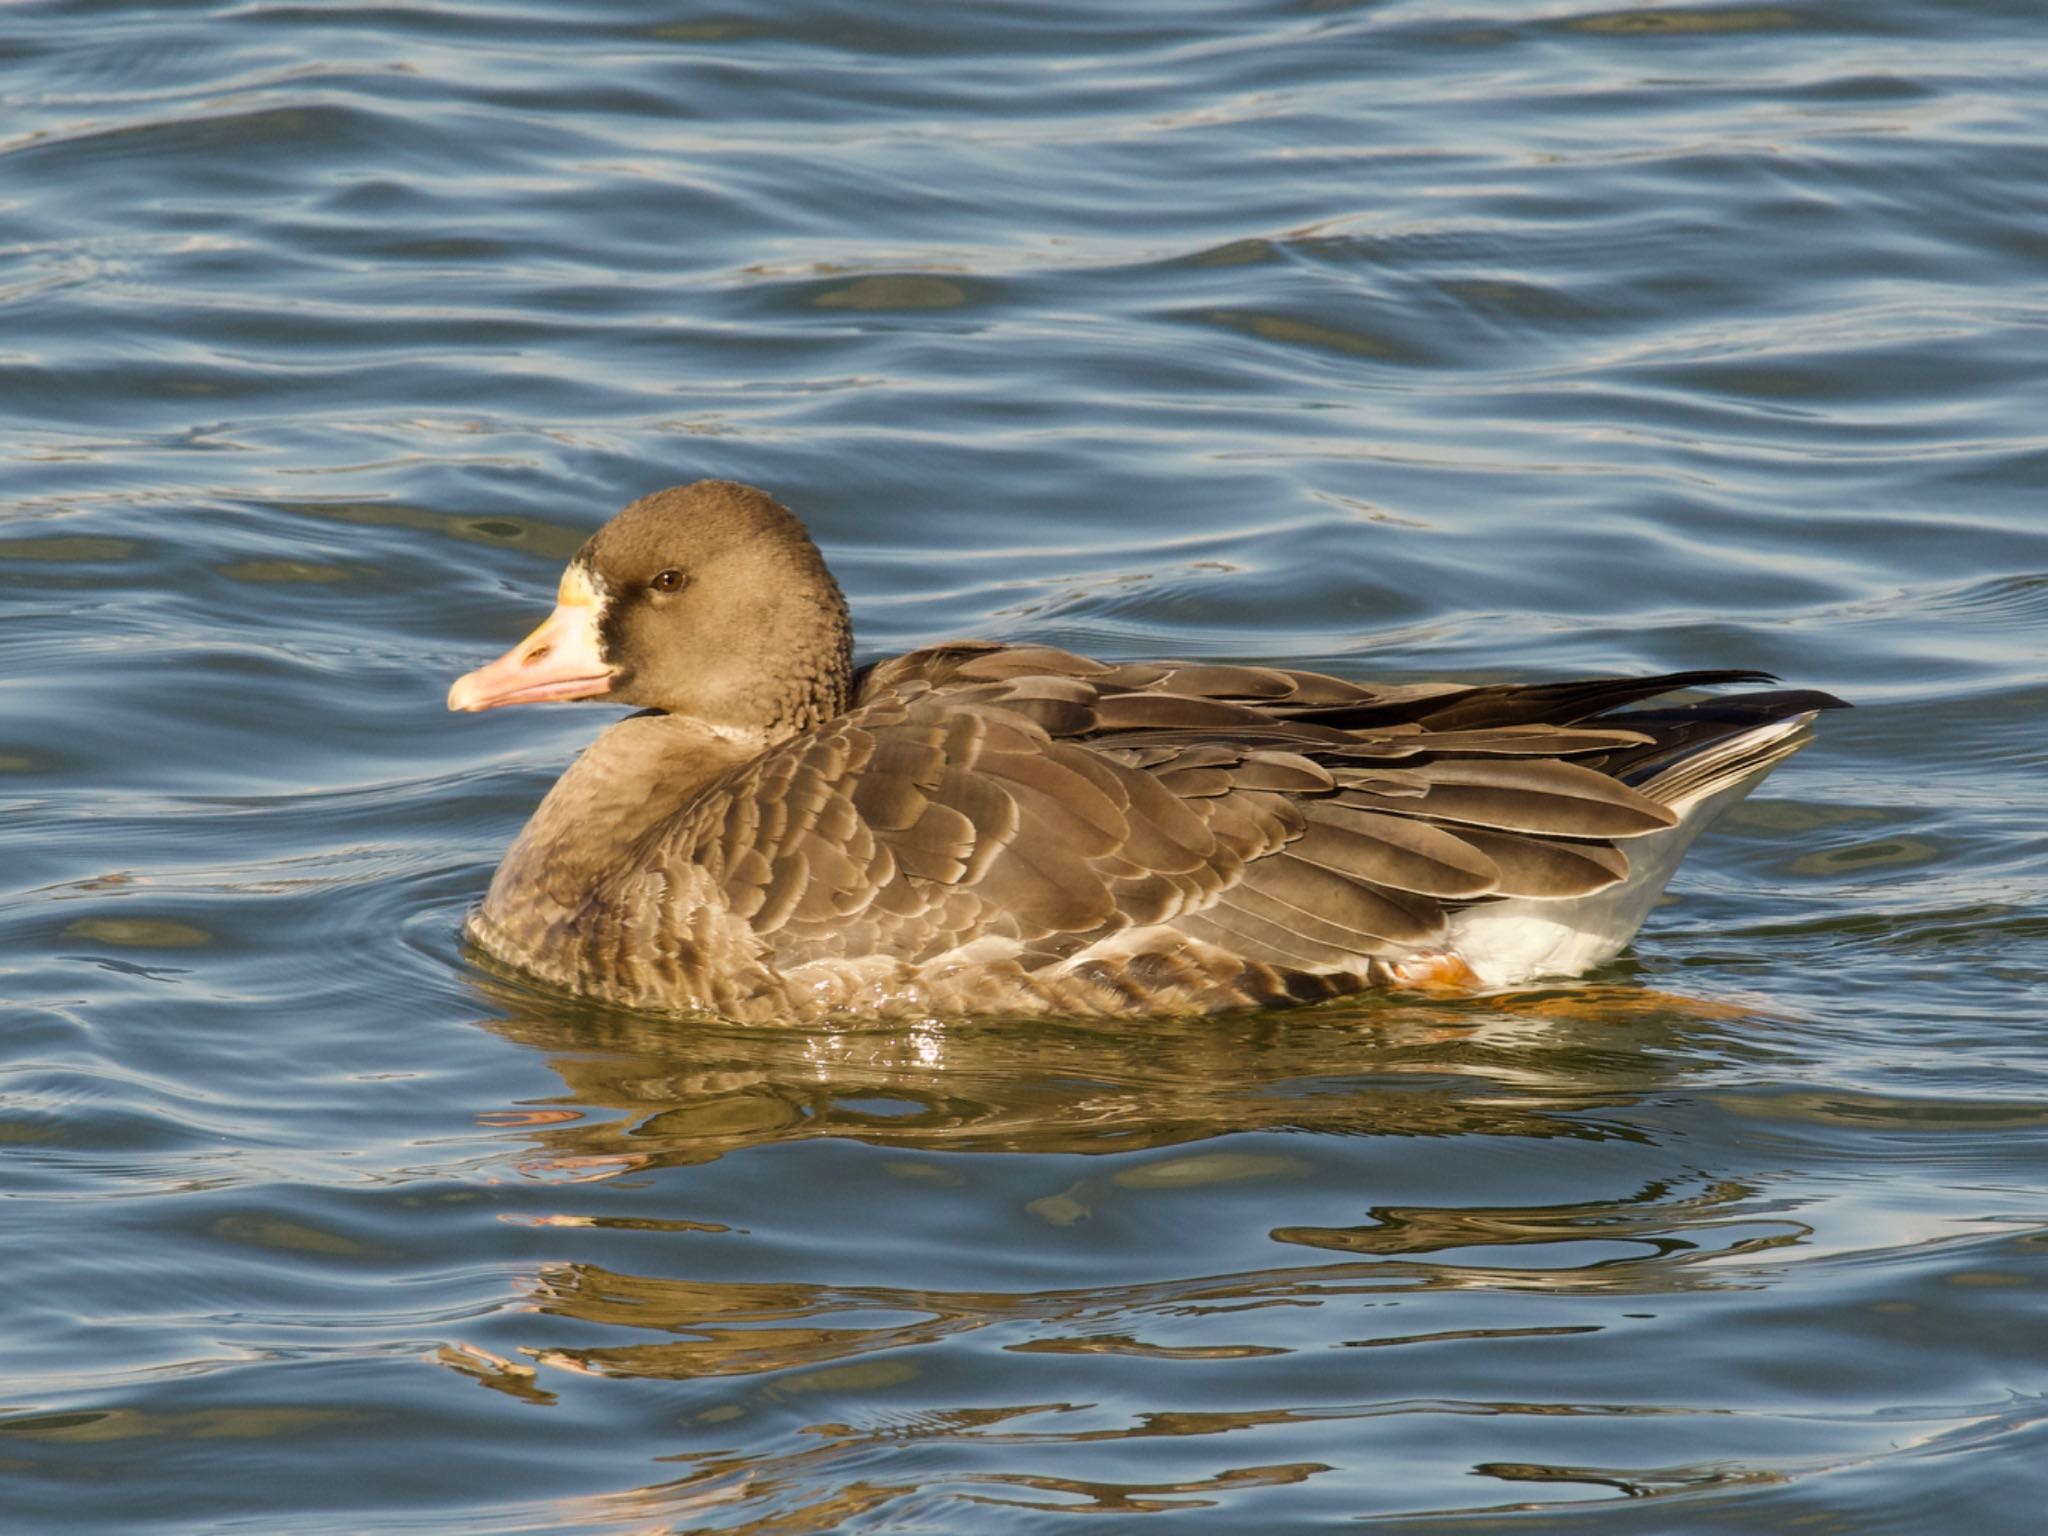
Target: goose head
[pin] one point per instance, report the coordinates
(707, 601)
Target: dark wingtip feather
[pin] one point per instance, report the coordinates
(1708, 677)
(1730, 709)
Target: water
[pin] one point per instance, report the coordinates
(1451, 337)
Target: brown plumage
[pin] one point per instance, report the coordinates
(984, 828)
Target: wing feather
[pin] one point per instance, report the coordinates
(1290, 819)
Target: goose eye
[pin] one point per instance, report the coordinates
(667, 581)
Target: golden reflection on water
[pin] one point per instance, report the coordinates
(643, 1093)
(706, 1328)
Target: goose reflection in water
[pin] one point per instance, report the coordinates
(775, 1364)
(646, 1092)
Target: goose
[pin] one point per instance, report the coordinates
(978, 828)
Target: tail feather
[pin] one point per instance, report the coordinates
(1701, 748)
(1700, 759)
(1746, 755)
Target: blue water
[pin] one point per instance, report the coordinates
(1444, 338)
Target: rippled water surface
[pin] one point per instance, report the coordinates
(1447, 337)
